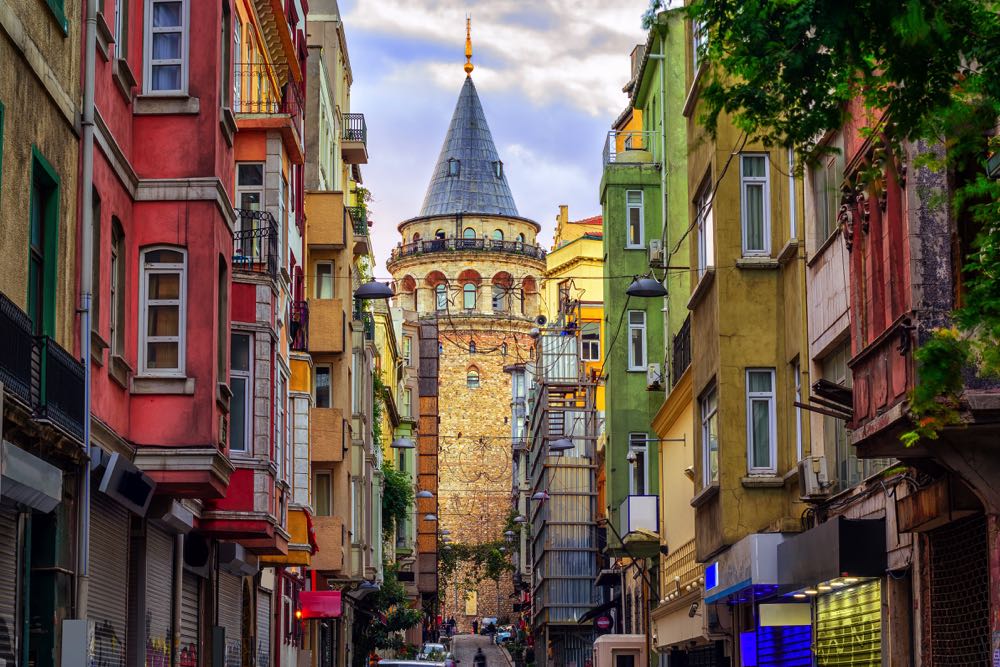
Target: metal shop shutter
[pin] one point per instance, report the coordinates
(108, 604)
(190, 616)
(263, 628)
(849, 627)
(159, 590)
(8, 584)
(231, 615)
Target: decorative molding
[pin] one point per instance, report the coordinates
(162, 385)
(166, 105)
(114, 154)
(121, 72)
(199, 188)
(184, 459)
(105, 38)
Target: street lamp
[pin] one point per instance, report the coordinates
(372, 290)
(424, 493)
(646, 287)
(540, 495)
(520, 518)
(402, 442)
(430, 517)
(560, 445)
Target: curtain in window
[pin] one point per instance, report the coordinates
(753, 198)
(760, 418)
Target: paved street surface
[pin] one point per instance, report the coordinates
(465, 649)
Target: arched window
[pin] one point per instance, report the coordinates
(439, 234)
(469, 296)
(472, 379)
(441, 297)
(520, 238)
(469, 233)
(498, 169)
(503, 349)
(163, 310)
(416, 236)
(500, 300)
(440, 348)
(497, 235)
(472, 347)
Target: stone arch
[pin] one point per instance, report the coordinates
(427, 299)
(529, 296)
(434, 278)
(503, 293)
(470, 276)
(472, 377)
(407, 292)
(468, 233)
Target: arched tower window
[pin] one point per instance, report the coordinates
(498, 235)
(503, 349)
(469, 296)
(498, 169)
(439, 234)
(468, 233)
(441, 297)
(416, 236)
(520, 238)
(472, 378)
(472, 347)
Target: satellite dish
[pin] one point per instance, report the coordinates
(541, 320)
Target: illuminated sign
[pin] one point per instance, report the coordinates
(711, 575)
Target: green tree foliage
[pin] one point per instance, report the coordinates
(385, 614)
(785, 73)
(397, 498)
(469, 564)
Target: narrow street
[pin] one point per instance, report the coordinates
(465, 649)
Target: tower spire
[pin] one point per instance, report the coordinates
(468, 45)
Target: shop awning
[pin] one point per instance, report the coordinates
(27, 479)
(753, 561)
(320, 604)
(840, 547)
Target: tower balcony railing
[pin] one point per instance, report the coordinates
(422, 247)
(255, 243)
(629, 147)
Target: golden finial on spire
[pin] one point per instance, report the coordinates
(468, 45)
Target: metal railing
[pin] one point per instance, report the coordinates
(255, 92)
(473, 245)
(628, 146)
(359, 219)
(59, 387)
(255, 242)
(15, 350)
(369, 324)
(298, 332)
(355, 128)
(682, 351)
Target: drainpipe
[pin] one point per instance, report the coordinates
(661, 56)
(86, 290)
(178, 596)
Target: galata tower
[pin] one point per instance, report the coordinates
(471, 263)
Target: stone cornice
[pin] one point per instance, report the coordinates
(198, 188)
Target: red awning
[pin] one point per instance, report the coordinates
(320, 604)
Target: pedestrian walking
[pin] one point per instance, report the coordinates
(479, 660)
(475, 626)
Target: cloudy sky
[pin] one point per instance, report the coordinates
(549, 74)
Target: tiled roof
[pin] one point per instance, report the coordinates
(476, 188)
(594, 220)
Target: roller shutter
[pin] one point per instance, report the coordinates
(263, 628)
(230, 615)
(849, 627)
(8, 584)
(108, 603)
(190, 616)
(159, 591)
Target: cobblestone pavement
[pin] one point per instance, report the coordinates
(465, 649)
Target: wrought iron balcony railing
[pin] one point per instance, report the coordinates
(298, 332)
(16, 346)
(255, 91)
(629, 147)
(475, 245)
(682, 351)
(255, 243)
(359, 219)
(369, 322)
(58, 387)
(355, 128)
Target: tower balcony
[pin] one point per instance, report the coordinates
(453, 245)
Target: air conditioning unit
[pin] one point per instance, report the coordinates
(654, 378)
(814, 482)
(656, 253)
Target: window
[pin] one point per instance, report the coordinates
(324, 280)
(755, 204)
(498, 235)
(797, 370)
(472, 347)
(468, 233)
(241, 384)
(498, 169)
(282, 208)
(454, 167)
(439, 234)
(121, 29)
(95, 269)
(43, 245)
(407, 404)
(321, 387)
(638, 471)
(249, 185)
(699, 39)
(633, 207)
(162, 312)
(826, 177)
(761, 422)
(440, 297)
(503, 349)
(225, 79)
(520, 238)
(709, 405)
(469, 296)
(117, 288)
(323, 493)
(637, 340)
(355, 394)
(590, 341)
(222, 319)
(166, 46)
(472, 379)
(408, 350)
(706, 228)
(281, 457)
(500, 300)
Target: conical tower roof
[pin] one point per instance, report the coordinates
(476, 184)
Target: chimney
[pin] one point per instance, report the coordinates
(563, 216)
(637, 54)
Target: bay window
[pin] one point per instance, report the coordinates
(755, 205)
(709, 408)
(639, 469)
(163, 310)
(241, 384)
(166, 43)
(761, 422)
(321, 384)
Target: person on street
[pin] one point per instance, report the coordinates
(475, 626)
(479, 660)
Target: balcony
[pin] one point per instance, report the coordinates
(358, 215)
(354, 140)
(255, 243)
(419, 248)
(330, 537)
(260, 103)
(39, 373)
(628, 147)
(681, 570)
(328, 321)
(326, 220)
(681, 358)
(639, 524)
(326, 435)
(298, 332)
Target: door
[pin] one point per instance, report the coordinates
(264, 615)
(849, 626)
(190, 619)
(8, 585)
(230, 615)
(108, 604)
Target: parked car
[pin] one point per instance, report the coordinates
(396, 662)
(503, 635)
(489, 625)
(431, 651)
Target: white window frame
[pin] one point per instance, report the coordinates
(628, 220)
(280, 426)
(698, 42)
(408, 350)
(705, 223)
(770, 397)
(120, 28)
(259, 189)
(238, 63)
(465, 296)
(407, 403)
(149, 31)
(248, 397)
(793, 213)
(632, 366)
(640, 444)
(145, 302)
(798, 411)
(763, 182)
(707, 415)
(316, 283)
(586, 344)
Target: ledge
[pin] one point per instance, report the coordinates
(691, 99)
(835, 234)
(763, 482)
(757, 263)
(97, 347)
(104, 37)
(222, 395)
(701, 289)
(162, 385)
(227, 122)
(788, 252)
(124, 78)
(706, 494)
(161, 105)
(119, 370)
